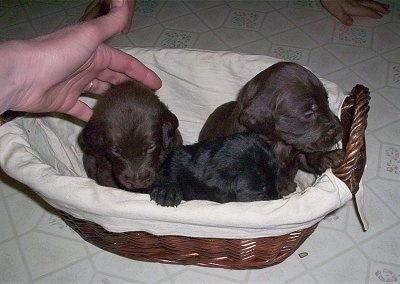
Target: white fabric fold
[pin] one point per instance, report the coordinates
(43, 153)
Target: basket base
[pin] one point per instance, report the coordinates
(237, 254)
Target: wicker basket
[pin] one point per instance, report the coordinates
(236, 253)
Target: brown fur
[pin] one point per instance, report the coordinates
(288, 106)
(129, 135)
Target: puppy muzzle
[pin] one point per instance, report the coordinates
(317, 139)
(143, 179)
(328, 137)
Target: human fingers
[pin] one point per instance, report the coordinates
(112, 77)
(336, 9)
(363, 11)
(131, 8)
(79, 110)
(114, 21)
(376, 6)
(122, 62)
(95, 9)
(97, 86)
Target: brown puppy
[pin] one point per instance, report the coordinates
(129, 135)
(288, 106)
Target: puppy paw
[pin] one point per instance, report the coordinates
(331, 159)
(166, 196)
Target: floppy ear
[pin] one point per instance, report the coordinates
(255, 112)
(92, 136)
(90, 165)
(169, 125)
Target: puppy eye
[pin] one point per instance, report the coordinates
(116, 150)
(309, 115)
(150, 148)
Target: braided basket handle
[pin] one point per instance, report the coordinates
(354, 119)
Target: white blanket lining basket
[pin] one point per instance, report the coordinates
(42, 152)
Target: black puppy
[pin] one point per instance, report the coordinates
(240, 167)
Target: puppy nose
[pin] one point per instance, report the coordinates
(336, 131)
(331, 131)
(138, 180)
(144, 179)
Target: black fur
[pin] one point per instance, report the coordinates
(240, 167)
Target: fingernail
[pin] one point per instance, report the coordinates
(117, 3)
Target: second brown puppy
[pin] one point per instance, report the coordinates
(288, 106)
(128, 137)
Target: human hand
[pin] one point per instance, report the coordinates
(344, 9)
(49, 73)
(98, 8)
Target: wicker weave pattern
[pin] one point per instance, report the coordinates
(236, 253)
(354, 119)
(211, 252)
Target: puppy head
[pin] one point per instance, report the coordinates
(288, 103)
(135, 132)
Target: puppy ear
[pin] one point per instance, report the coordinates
(169, 125)
(256, 123)
(92, 136)
(90, 165)
(255, 113)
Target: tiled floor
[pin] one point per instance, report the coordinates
(37, 247)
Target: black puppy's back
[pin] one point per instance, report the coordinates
(239, 167)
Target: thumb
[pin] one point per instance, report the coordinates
(111, 23)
